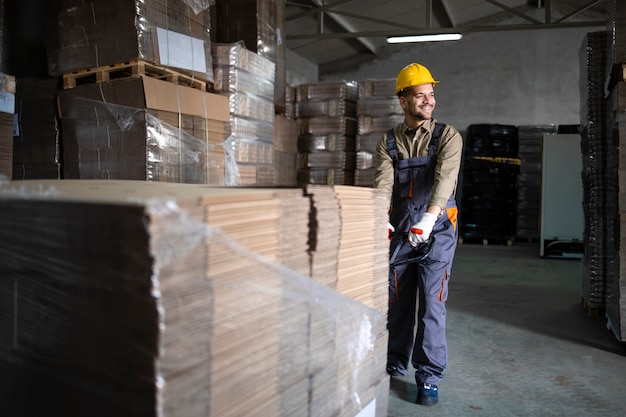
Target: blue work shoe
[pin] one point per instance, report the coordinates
(427, 394)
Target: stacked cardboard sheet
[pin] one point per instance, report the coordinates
(325, 234)
(136, 297)
(81, 35)
(348, 243)
(378, 109)
(141, 128)
(7, 109)
(36, 141)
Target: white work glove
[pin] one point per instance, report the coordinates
(420, 231)
(390, 230)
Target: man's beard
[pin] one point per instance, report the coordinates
(419, 115)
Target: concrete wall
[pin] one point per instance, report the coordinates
(515, 77)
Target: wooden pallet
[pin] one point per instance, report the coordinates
(129, 69)
(593, 312)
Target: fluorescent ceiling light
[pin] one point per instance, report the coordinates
(425, 38)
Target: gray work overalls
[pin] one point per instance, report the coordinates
(428, 350)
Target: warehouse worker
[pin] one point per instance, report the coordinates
(417, 164)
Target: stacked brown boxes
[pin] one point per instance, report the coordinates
(130, 125)
(596, 262)
(378, 110)
(614, 205)
(259, 24)
(37, 152)
(142, 128)
(81, 35)
(181, 317)
(326, 116)
(247, 79)
(285, 150)
(7, 109)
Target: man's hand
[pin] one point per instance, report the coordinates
(420, 231)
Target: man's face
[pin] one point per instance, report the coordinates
(419, 102)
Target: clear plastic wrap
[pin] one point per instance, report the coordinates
(251, 151)
(213, 314)
(331, 160)
(364, 160)
(346, 90)
(325, 176)
(377, 88)
(242, 127)
(230, 79)
(330, 142)
(110, 141)
(251, 106)
(82, 35)
(236, 55)
(379, 107)
(367, 142)
(327, 125)
(378, 124)
(325, 108)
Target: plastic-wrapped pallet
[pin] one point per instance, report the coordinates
(247, 78)
(198, 296)
(81, 35)
(378, 110)
(326, 117)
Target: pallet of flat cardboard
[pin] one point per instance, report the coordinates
(129, 69)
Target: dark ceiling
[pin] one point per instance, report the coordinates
(330, 32)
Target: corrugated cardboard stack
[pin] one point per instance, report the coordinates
(259, 25)
(178, 318)
(285, 151)
(7, 109)
(119, 120)
(378, 110)
(81, 35)
(37, 152)
(597, 254)
(142, 128)
(247, 79)
(326, 116)
(614, 210)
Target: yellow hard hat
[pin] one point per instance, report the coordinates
(413, 74)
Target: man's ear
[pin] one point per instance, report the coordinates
(402, 101)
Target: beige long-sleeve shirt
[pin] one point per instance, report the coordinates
(449, 153)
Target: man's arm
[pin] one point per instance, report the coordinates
(449, 157)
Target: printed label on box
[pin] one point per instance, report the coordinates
(181, 51)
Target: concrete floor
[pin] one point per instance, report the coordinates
(521, 343)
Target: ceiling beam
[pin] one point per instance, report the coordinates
(580, 10)
(444, 5)
(513, 11)
(495, 28)
(326, 10)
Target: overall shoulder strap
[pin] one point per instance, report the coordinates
(391, 145)
(437, 133)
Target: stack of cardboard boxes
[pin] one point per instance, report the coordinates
(614, 206)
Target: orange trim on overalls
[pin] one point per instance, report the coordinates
(443, 283)
(453, 213)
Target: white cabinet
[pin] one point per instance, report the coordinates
(562, 218)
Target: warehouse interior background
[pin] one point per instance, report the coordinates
(517, 77)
